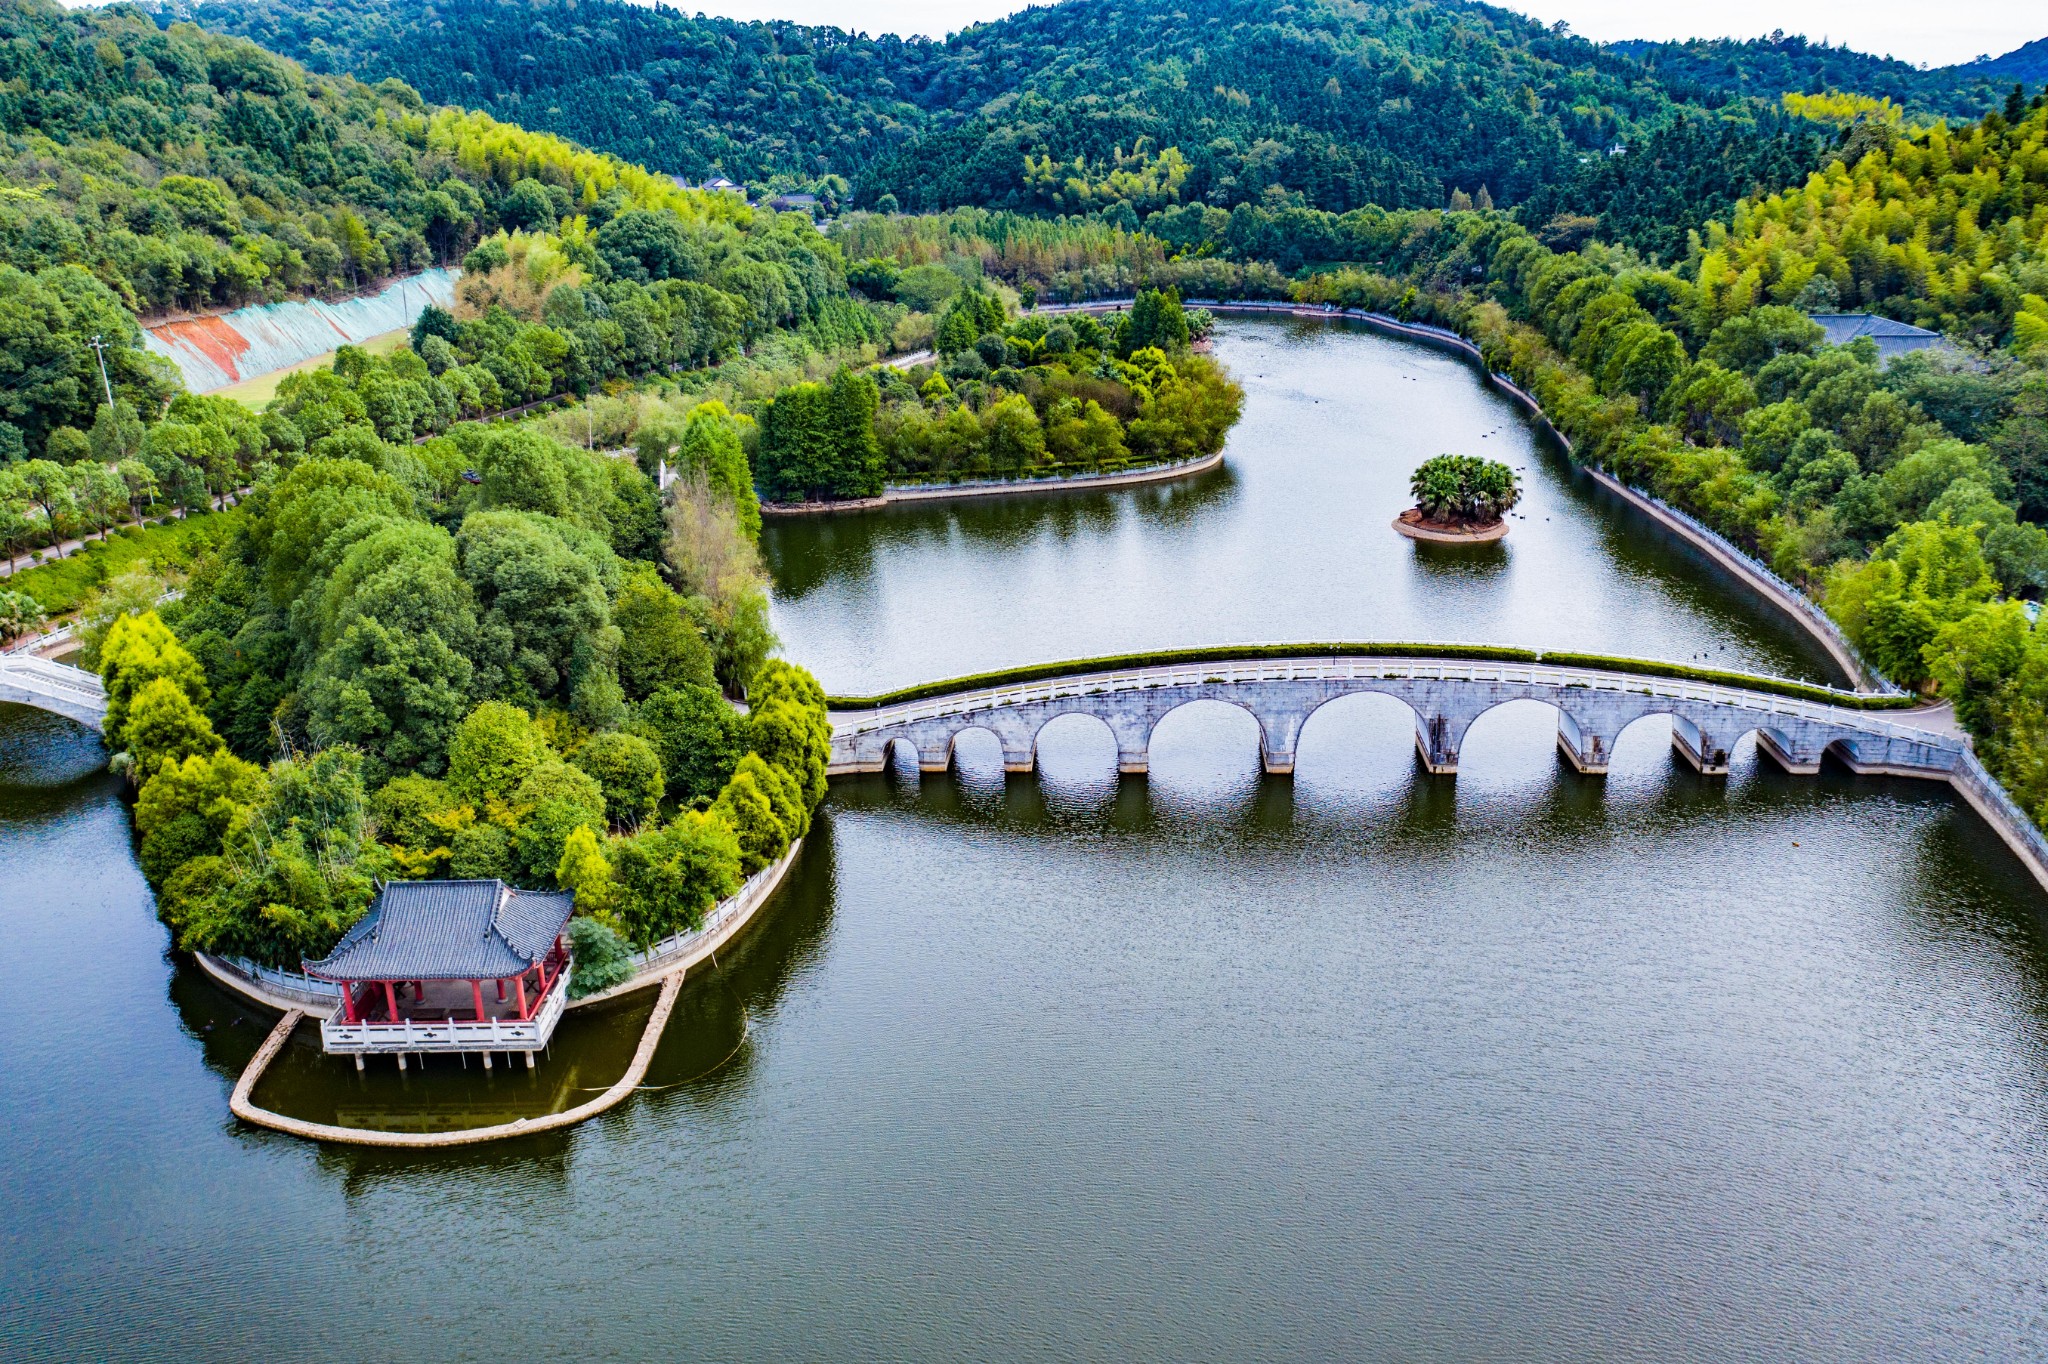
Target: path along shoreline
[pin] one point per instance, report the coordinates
(666, 965)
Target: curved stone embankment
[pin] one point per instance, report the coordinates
(245, 1108)
(721, 926)
(1480, 535)
(1007, 487)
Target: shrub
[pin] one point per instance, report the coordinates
(600, 957)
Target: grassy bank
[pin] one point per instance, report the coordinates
(258, 392)
(62, 585)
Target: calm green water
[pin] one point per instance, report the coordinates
(1361, 1064)
(1289, 540)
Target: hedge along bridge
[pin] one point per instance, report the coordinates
(1446, 688)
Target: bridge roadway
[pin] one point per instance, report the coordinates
(1446, 695)
(71, 692)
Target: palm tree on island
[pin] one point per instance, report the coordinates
(1460, 497)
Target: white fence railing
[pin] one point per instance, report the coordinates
(909, 491)
(1792, 596)
(43, 675)
(1325, 668)
(290, 984)
(738, 905)
(337, 1034)
(2014, 823)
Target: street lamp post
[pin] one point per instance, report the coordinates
(100, 349)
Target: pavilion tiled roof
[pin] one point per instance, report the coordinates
(448, 930)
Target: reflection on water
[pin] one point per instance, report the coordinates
(1289, 540)
(1360, 1063)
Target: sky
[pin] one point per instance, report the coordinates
(1911, 30)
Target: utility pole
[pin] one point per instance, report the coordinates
(100, 348)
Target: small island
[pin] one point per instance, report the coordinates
(1459, 499)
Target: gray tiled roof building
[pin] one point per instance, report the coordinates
(449, 930)
(1892, 339)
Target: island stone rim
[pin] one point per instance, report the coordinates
(1478, 535)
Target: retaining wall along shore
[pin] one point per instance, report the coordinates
(997, 487)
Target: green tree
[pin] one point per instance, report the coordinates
(628, 771)
(493, 751)
(602, 958)
(1927, 574)
(697, 736)
(186, 808)
(668, 878)
(660, 646)
(550, 802)
(139, 650)
(163, 728)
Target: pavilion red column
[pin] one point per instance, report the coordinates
(391, 1001)
(348, 1001)
(522, 996)
(478, 987)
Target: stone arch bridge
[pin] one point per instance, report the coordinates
(56, 687)
(1446, 694)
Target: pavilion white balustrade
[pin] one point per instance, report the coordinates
(337, 1034)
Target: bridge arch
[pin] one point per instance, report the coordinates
(1067, 727)
(1496, 722)
(1205, 703)
(1337, 713)
(951, 756)
(54, 687)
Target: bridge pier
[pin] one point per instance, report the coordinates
(1586, 749)
(1132, 726)
(1436, 744)
(1279, 737)
(1699, 747)
(1802, 760)
(935, 757)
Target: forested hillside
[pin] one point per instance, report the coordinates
(416, 646)
(1712, 70)
(692, 96)
(150, 170)
(1093, 103)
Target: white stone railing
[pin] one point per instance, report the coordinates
(846, 723)
(321, 994)
(737, 905)
(337, 1034)
(42, 675)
